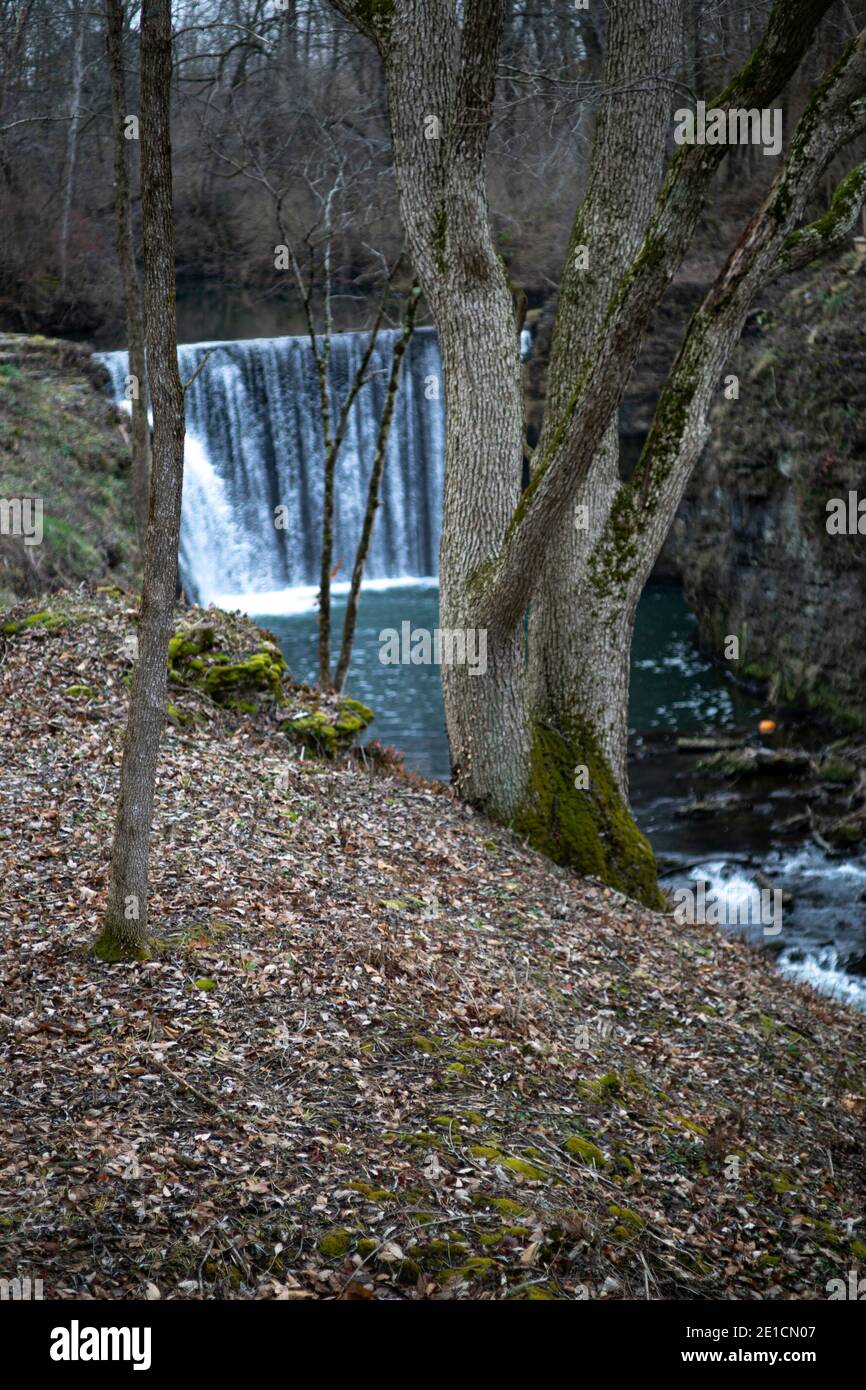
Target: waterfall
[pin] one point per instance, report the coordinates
(254, 445)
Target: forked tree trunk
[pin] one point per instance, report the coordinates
(383, 435)
(523, 745)
(128, 272)
(126, 923)
(580, 666)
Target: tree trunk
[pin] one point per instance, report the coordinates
(125, 935)
(128, 272)
(579, 645)
(547, 753)
(440, 77)
(373, 487)
(639, 512)
(72, 140)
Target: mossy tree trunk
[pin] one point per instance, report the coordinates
(540, 740)
(126, 922)
(579, 643)
(128, 273)
(642, 509)
(605, 567)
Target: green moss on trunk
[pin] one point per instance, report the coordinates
(589, 830)
(111, 948)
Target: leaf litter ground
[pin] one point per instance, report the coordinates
(387, 1052)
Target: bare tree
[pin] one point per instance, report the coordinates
(373, 488)
(128, 273)
(79, 24)
(126, 922)
(312, 206)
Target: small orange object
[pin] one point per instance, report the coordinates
(767, 726)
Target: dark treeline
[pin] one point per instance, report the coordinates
(280, 131)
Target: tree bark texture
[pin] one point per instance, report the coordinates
(128, 272)
(126, 922)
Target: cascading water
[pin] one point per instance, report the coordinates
(254, 444)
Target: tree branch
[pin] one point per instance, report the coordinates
(506, 587)
(645, 506)
(829, 232)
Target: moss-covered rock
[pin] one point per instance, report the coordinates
(314, 731)
(257, 676)
(244, 682)
(328, 729)
(353, 717)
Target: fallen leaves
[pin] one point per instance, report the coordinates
(380, 1015)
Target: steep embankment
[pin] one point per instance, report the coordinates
(61, 444)
(751, 537)
(388, 1051)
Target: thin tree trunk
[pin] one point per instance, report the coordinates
(72, 141)
(126, 920)
(128, 272)
(332, 448)
(363, 548)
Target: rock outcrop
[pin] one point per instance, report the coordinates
(751, 539)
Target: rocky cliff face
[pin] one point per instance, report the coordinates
(751, 540)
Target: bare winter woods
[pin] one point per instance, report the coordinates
(289, 99)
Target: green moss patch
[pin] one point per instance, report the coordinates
(328, 730)
(590, 830)
(585, 1150)
(46, 621)
(335, 1243)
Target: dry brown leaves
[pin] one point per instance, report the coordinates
(387, 1052)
